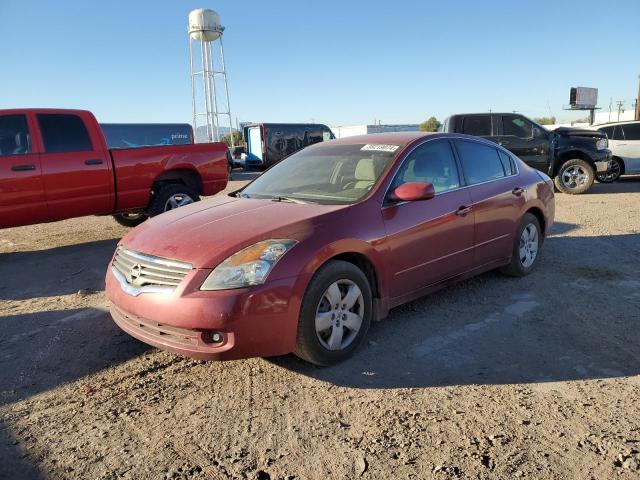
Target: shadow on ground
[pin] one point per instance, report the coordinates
(55, 271)
(575, 317)
(42, 350)
(626, 184)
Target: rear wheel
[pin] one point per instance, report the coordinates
(335, 314)
(613, 174)
(574, 177)
(130, 219)
(170, 197)
(526, 247)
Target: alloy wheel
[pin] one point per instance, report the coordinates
(176, 201)
(339, 315)
(574, 176)
(528, 245)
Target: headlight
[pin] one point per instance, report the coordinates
(249, 266)
(602, 144)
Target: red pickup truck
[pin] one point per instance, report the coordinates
(55, 164)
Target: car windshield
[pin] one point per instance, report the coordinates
(327, 174)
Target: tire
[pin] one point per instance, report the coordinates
(336, 342)
(617, 168)
(575, 176)
(130, 219)
(169, 197)
(519, 267)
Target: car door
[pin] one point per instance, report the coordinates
(629, 146)
(429, 240)
(520, 136)
(497, 198)
(76, 170)
(22, 198)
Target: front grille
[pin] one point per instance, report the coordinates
(149, 273)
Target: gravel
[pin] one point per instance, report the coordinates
(492, 378)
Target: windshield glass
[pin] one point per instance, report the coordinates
(329, 174)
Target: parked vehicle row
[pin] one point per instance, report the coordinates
(306, 256)
(55, 164)
(624, 142)
(572, 157)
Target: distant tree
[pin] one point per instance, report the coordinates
(581, 120)
(546, 120)
(237, 139)
(431, 125)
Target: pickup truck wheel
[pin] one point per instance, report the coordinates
(130, 219)
(170, 197)
(335, 314)
(613, 174)
(575, 176)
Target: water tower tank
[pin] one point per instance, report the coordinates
(204, 25)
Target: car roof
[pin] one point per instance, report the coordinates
(624, 122)
(399, 138)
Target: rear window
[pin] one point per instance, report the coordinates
(14, 135)
(64, 133)
(478, 125)
(480, 162)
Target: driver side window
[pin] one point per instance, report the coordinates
(517, 127)
(432, 162)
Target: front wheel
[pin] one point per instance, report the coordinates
(170, 197)
(526, 247)
(335, 314)
(574, 177)
(613, 174)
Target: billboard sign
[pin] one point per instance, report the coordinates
(585, 97)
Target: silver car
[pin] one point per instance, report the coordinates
(624, 143)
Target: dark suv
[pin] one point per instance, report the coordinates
(570, 156)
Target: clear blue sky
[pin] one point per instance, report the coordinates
(337, 62)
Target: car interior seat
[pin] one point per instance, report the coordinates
(365, 173)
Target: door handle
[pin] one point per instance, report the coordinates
(517, 191)
(463, 211)
(503, 142)
(95, 161)
(22, 168)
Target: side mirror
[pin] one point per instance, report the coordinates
(412, 192)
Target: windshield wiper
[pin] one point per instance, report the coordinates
(288, 199)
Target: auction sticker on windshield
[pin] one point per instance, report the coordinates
(380, 147)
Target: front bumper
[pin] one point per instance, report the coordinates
(254, 322)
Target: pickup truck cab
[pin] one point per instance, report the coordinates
(571, 156)
(55, 164)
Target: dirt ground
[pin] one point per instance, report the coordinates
(493, 378)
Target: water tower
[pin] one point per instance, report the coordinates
(209, 87)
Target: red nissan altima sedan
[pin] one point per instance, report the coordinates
(306, 256)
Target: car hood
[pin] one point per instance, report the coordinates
(207, 232)
(579, 132)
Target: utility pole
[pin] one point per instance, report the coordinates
(620, 104)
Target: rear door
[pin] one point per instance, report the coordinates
(76, 170)
(629, 147)
(497, 198)
(22, 199)
(429, 240)
(520, 136)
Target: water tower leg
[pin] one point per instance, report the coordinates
(226, 91)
